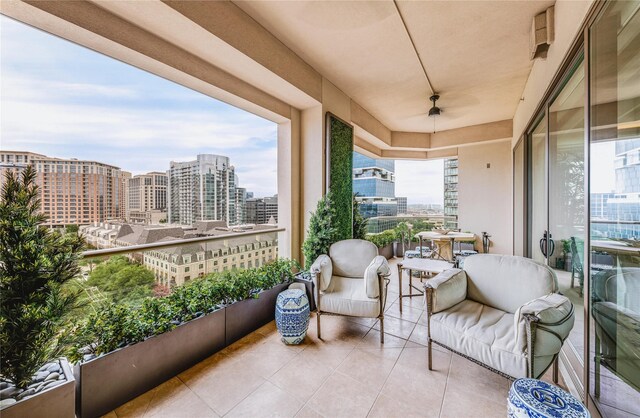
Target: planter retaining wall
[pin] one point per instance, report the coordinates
(250, 314)
(57, 402)
(136, 369)
(111, 380)
(386, 251)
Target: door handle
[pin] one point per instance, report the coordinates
(546, 243)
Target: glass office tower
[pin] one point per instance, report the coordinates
(374, 184)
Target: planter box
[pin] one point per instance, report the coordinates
(250, 314)
(109, 381)
(304, 277)
(386, 251)
(57, 402)
(397, 249)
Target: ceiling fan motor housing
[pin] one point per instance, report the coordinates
(435, 110)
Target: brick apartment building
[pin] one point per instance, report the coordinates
(72, 191)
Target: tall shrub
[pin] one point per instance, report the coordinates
(322, 231)
(359, 222)
(35, 263)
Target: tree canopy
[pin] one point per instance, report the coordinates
(122, 280)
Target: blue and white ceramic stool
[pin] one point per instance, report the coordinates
(292, 315)
(532, 398)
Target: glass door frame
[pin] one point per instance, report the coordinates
(577, 371)
(580, 45)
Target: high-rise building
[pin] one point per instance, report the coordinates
(374, 186)
(203, 189)
(599, 209)
(240, 204)
(15, 161)
(617, 214)
(147, 197)
(261, 209)
(72, 191)
(402, 205)
(451, 193)
(124, 203)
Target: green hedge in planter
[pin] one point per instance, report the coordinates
(340, 144)
(119, 325)
(383, 239)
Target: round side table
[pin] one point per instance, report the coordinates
(532, 398)
(292, 315)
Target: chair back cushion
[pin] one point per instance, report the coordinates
(351, 257)
(507, 282)
(620, 286)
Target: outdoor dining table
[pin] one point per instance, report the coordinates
(614, 247)
(623, 253)
(420, 265)
(448, 238)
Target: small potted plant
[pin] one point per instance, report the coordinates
(566, 255)
(37, 265)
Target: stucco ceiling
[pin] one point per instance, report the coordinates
(476, 54)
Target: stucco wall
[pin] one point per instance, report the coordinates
(484, 194)
(569, 16)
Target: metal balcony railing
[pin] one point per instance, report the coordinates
(174, 262)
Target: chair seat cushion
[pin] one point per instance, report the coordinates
(347, 296)
(481, 332)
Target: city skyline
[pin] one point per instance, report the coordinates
(49, 85)
(64, 100)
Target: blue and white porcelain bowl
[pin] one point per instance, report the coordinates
(532, 398)
(292, 315)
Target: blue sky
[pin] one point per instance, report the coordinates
(63, 100)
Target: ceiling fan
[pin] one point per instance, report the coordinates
(435, 110)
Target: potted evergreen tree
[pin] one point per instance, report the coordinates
(35, 305)
(322, 231)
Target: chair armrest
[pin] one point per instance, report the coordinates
(372, 283)
(445, 290)
(322, 268)
(541, 326)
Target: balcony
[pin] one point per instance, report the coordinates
(258, 375)
(530, 125)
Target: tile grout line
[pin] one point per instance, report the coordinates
(387, 378)
(276, 372)
(266, 379)
(198, 396)
(332, 373)
(325, 381)
(446, 384)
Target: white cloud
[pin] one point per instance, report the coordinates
(420, 181)
(63, 100)
(20, 88)
(40, 115)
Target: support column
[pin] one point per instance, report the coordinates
(289, 242)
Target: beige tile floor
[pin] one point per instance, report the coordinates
(346, 374)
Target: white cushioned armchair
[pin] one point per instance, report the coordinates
(351, 281)
(502, 312)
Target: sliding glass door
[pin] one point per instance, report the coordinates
(567, 223)
(614, 244)
(537, 178)
(556, 199)
(582, 212)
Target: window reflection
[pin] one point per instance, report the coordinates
(615, 210)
